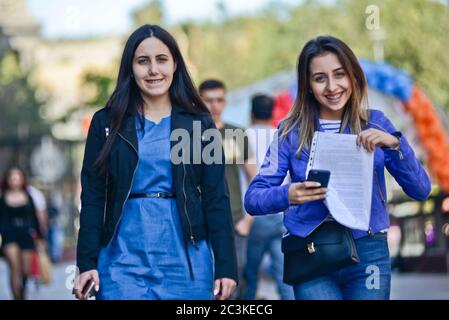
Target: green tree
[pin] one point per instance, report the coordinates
(98, 87)
(151, 13)
(18, 103)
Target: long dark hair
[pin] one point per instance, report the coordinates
(127, 98)
(306, 107)
(5, 183)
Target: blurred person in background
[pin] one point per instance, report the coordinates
(150, 227)
(55, 230)
(213, 93)
(266, 232)
(41, 207)
(20, 228)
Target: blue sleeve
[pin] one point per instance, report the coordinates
(403, 164)
(265, 193)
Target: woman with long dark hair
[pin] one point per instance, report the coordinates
(19, 227)
(332, 97)
(152, 227)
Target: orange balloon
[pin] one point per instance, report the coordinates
(411, 106)
(86, 123)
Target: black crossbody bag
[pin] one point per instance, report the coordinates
(327, 249)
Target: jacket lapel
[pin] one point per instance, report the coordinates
(128, 130)
(180, 119)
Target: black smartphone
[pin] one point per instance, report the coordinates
(321, 176)
(88, 290)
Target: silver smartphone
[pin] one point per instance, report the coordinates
(89, 289)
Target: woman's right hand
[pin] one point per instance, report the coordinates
(301, 192)
(83, 280)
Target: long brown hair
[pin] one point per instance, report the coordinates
(306, 108)
(5, 180)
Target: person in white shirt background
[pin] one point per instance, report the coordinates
(266, 231)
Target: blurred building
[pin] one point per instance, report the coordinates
(59, 71)
(57, 68)
(20, 30)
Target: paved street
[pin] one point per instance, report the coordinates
(55, 291)
(404, 286)
(411, 286)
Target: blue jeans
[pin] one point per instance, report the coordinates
(368, 280)
(263, 240)
(240, 250)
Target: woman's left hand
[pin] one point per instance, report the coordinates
(40, 244)
(223, 288)
(371, 138)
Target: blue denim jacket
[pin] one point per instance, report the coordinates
(266, 195)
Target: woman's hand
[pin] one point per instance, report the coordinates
(40, 244)
(82, 281)
(243, 227)
(301, 192)
(223, 288)
(371, 138)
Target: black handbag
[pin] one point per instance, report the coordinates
(327, 249)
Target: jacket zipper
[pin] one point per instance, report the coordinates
(319, 224)
(105, 199)
(400, 154)
(106, 131)
(378, 189)
(192, 238)
(408, 165)
(130, 186)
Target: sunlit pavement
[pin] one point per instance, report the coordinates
(55, 291)
(404, 286)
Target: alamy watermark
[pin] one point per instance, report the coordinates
(209, 147)
(71, 281)
(372, 22)
(72, 19)
(372, 282)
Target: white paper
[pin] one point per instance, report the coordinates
(351, 179)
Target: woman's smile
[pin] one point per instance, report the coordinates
(153, 82)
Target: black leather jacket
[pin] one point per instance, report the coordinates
(201, 192)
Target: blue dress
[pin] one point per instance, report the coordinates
(146, 258)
